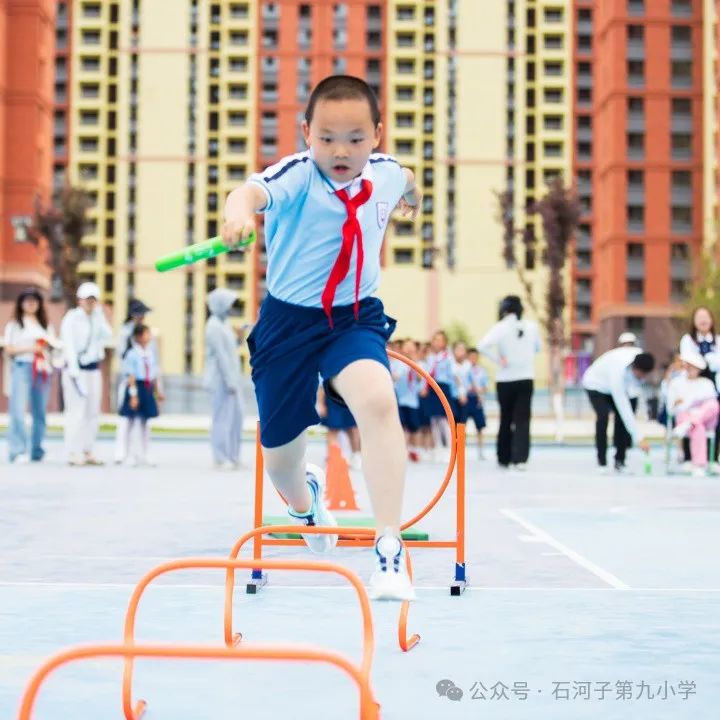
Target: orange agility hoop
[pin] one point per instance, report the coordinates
(361, 533)
(369, 710)
(349, 536)
(232, 564)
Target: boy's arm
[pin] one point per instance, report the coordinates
(409, 203)
(241, 206)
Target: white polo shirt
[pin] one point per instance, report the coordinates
(611, 375)
(303, 227)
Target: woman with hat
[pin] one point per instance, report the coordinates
(84, 331)
(692, 399)
(28, 342)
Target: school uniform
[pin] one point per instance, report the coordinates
(83, 339)
(441, 369)
(459, 390)
(425, 400)
(407, 390)
(609, 383)
(478, 381)
(323, 242)
(141, 364)
(517, 342)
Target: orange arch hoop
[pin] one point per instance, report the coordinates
(232, 564)
(368, 708)
(406, 643)
(349, 536)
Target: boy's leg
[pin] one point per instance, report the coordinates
(506, 400)
(521, 420)
(286, 467)
(366, 386)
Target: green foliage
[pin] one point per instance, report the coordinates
(457, 331)
(705, 290)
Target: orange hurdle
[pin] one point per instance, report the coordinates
(231, 564)
(232, 639)
(368, 708)
(349, 536)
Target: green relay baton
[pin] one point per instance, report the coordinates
(199, 251)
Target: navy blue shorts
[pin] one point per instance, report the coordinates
(409, 418)
(424, 412)
(291, 344)
(476, 411)
(434, 406)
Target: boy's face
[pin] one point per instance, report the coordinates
(342, 136)
(473, 357)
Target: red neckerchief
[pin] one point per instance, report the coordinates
(351, 230)
(39, 363)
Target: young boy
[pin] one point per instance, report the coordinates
(326, 210)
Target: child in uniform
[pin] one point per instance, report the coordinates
(326, 211)
(407, 389)
(441, 370)
(478, 388)
(140, 375)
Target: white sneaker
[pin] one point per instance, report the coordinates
(77, 460)
(355, 461)
(682, 429)
(390, 581)
(698, 472)
(318, 514)
(522, 467)
(603, 470)
(21, 459)
(481, 455)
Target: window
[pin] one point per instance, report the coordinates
(636, 72)
(680, 251)
(681, 145)
(403, 256)
(405, 67)
(635, 218)
(405, 93)
(553, 68)
(635, 251)
(681, 8)
(553, 122)
(553, 15)
(681, 219)
(681, 180)
(89, 90)
(636, 7)
(635, 33)
(553, 95)
(239, 11)
(552, 149)
(636, 105)
(553, 42)
(404, 147)
(636, 145)
(681, 106)
(635, 290)
(406, 12)
(90, 63)
(91, 10)
(404, 120)
(636, 178)
(681, 35)
(91, 37)
(681, 72)
(584, 96)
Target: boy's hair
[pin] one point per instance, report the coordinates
(644, 362)
(343, 87)
(473, 351)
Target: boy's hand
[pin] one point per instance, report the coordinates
(409, 203)
(235, 231)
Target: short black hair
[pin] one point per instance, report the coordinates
(645, 362)
(139, 330)
(343, 87)
(510, 305)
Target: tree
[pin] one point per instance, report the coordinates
(559, 210)
(61, 228)
(705, 289)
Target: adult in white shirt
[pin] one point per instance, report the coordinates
(703, 339)
(692, 399)
(610, 381)
(28, 339)
(512, 345)
(84, 332)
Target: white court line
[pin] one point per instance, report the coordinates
(583, 562)
(342, 588)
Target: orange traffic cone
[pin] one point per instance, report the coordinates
(339, 493)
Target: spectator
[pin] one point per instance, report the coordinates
(83, 332)
(222, 378)
(28, 340)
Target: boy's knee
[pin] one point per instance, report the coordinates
(377, 403)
